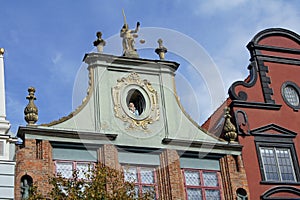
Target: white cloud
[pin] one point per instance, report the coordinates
(232, 56)
(57, 57)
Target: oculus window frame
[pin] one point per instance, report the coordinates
(290, 93)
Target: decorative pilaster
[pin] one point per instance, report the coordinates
(161, 50)
(108, 155)
(31, 111)
(171, 185)
(233, 176)
(4, 124)
(229, 129)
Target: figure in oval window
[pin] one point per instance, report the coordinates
(132, 109)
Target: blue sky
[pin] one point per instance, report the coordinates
(45, 42)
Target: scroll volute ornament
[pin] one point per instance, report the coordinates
(229, 129)
(31, 111)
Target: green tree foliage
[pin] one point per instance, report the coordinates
(100, 183)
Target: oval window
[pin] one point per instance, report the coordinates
(290, 93)
(136, 102)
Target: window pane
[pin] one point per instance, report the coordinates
(65, 169)
(285, 164)
(82, 168)
(130, 174)
(291, 95)
(210, 178)
(136, 191)
(269, 162)
(147, 176)
(149, 190)
(212, 194)
(194, 194)
(192, 177)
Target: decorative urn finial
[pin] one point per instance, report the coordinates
(229, 129)
(31, 111)
(99, 43)
(161, 50)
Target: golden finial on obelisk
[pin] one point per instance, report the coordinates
(31, 111)
(2, 51)
(229, 129)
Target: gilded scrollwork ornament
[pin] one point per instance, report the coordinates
(132, 89)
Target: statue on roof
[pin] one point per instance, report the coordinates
(128, 37)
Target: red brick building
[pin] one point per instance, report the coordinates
(265, 111)
(163, 147)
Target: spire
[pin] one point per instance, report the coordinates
(31, 111)
(4, 124)
(229, 129)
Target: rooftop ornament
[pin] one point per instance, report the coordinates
(161, 50)
(99, 43)
(31, 111)
(128, 37)
(229, 129)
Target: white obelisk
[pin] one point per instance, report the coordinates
(4, 124)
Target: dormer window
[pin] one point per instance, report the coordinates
(290, 93)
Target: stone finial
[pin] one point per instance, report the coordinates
(31, 111)
(161, 50)
(229, 129)
(99, 43)
(2, 51)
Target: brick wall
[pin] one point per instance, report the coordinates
(171, 185)
(233, 176)
(108, 155)
(37, 164)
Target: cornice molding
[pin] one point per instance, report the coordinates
(203, 144)
(255, 105)
(59, 133)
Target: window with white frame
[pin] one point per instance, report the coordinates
(202, 184)
(144, 179)
(277, 164)
(66, 168)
